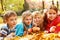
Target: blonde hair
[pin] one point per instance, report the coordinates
(36, 13)
(39, 13)
(25, 14)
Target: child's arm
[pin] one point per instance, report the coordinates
(52, 29)
(3, 33)
(45, 31)
(19, 30)
(11, 35)
(56, 23)
(36, 29)
(30, 30)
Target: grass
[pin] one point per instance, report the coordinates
(1, 20)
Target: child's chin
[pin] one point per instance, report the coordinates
(52, 19)
(28, 24)
(13, 25)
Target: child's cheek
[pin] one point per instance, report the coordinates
(12, 23)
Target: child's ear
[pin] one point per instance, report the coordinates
(4, 21)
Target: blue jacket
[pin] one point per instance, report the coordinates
(20, 29)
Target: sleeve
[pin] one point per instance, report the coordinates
(57, 28)
(3, 31)
(56, 23)
(19, 30)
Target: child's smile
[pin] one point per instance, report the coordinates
(51, 15)
(12, 21)
(28, 20)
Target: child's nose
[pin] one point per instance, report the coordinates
(37, 18)
(15, 21)
(29, 20)
(52, 14)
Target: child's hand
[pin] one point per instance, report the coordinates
(45, 31)
(52, 29)
(3, 33)
(36, 29)
(25, 33)
(0, 34)
(11, 35)
(30, 30)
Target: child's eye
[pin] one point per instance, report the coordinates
(30, 19)
(11, 19)
(50, 13)
(16, 19)
(26, 19)
(54, 13)
(38, 17)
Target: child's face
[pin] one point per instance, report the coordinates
(52, 14)
(11, 21)
(28, 20)
(38, 19)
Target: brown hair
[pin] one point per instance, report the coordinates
(45, 18)
(8, 14)
(54, 8)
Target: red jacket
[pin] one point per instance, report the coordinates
(55, 22)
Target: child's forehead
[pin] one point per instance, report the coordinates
(9, 14)
(38, 15)
(28, 16)
(11, 17)
(51, 11)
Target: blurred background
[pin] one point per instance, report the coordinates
(19, 6)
